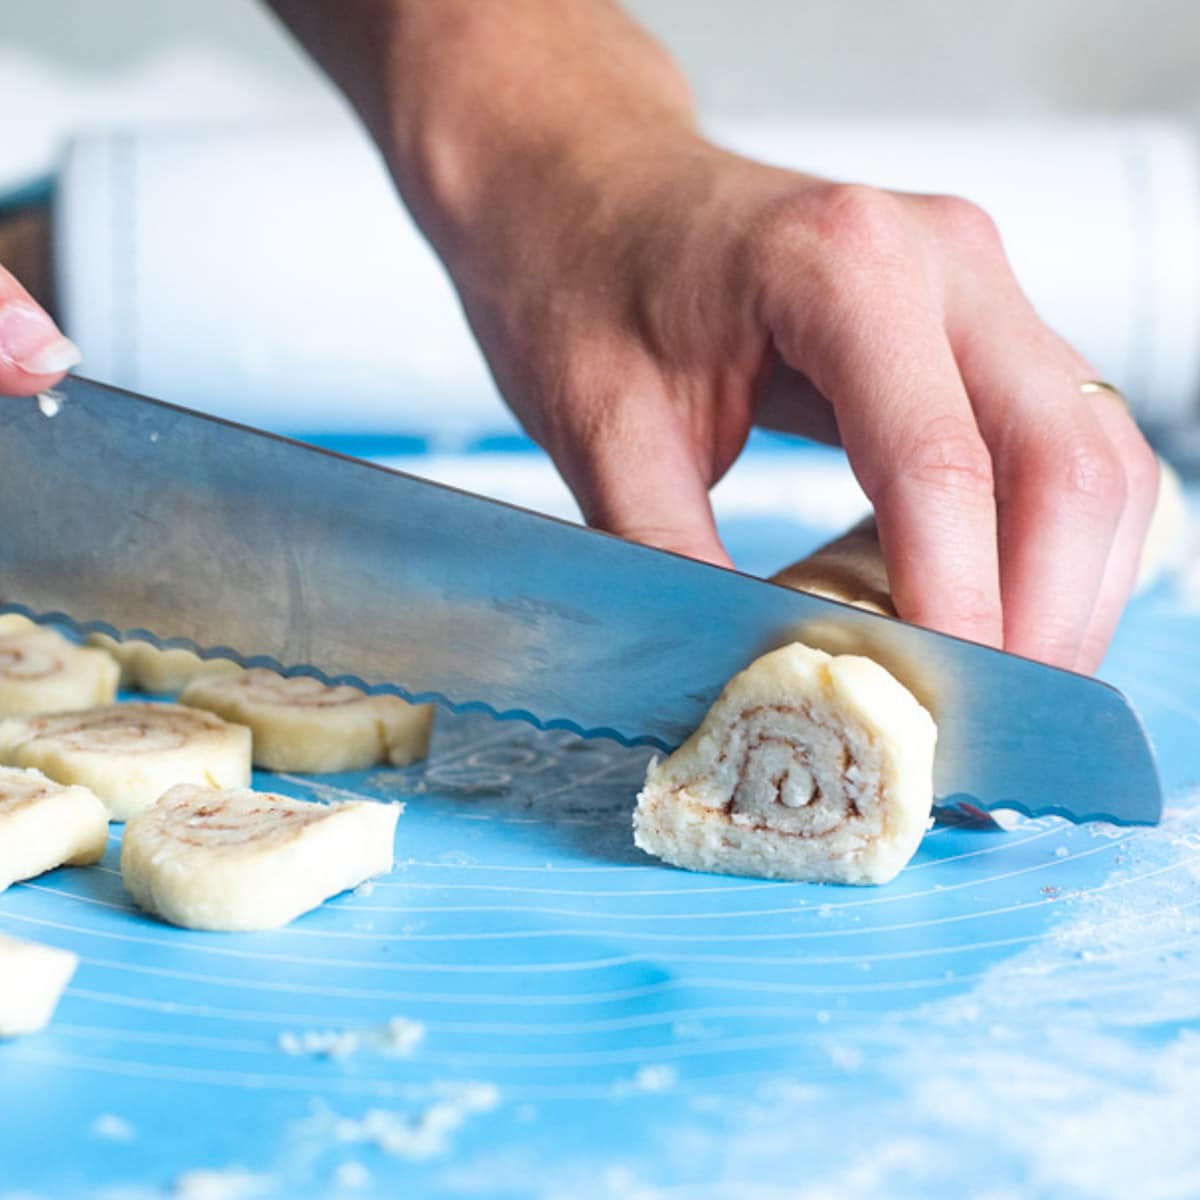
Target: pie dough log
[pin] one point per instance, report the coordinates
(44, 825)
(149, 668)
(32, 978)
(40, 671)
(130, 754)
(300, 724)
(239, 860)
(810, 766)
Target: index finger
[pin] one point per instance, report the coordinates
(34, 354)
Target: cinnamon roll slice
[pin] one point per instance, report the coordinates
(149, 668)
(810, 766)
(130, 754)
(302, 725)
(238, 860)
(44, 825)
(40, 671)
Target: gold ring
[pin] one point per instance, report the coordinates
(1096, 386)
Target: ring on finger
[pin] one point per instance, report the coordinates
(1094, 387)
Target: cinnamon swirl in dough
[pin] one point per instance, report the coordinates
(302, 725)
(130, 754)
(40, 671)
(236, 860)
(44, 825)
(809, 766)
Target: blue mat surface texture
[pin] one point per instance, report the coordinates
(527, 1006)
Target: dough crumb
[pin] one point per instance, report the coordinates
(423, 1135)
(351, 1176)
(112, 1128)
(50, 403)
(397, 1037)
(231, 1183)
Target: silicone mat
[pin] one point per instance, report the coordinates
(1015, 1016)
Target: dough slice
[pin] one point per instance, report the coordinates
(236, 860)
(302, 725)
(849, 569)
(809, 767)
(40, 671)
(32, 979)
(44, 825)
(148, 668)
(130, 754)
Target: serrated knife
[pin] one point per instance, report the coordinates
(131, 516)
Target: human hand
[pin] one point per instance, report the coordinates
(34, 355)
(643, 315)
(643, 298)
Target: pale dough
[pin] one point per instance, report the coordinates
(237, 860)
(149, 668)
(130, 754)
(40, 671)
(302, 725)
(44, 825)
(32, 978)
(810, 766)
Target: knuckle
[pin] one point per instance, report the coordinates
(964, 222)
(947, 453)
(1092, 470)
(863, 222)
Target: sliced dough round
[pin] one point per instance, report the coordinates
(130, 754)
(40, 671)
(149, 668)
(237, 860)
(808, 767)
(850, 569)
(302, 725)
(34, 977)
(15, 623)
(44, 825)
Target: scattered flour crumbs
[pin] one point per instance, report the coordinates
(396, 1038)
(1021, 1088)
(418, 1135)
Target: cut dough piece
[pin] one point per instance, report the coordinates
(40, 671)
(130, 754)
(1167, 541)
(236, 860)
(808, 767)
(32, 979)
(15, 623)
(300, 724)
(44, 825)
(849, 569)
(149, 668)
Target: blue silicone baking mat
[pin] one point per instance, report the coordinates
(529, 1007)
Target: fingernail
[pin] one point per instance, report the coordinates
(31, 341)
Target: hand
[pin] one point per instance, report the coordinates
(641, 321)
(34, 355)
(643, 298)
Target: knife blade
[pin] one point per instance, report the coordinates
(130, 516)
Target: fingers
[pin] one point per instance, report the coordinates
(877, 348)
(1075, 486)
(33, 353)
(629, 459)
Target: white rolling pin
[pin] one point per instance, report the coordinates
(272, 276)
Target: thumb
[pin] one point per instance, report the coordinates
(631, 466)
(33, 353)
